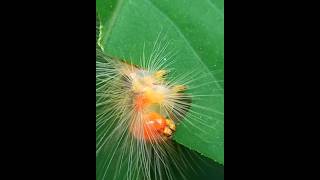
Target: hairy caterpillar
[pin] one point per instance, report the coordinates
(138, 109)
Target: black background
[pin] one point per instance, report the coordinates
(48, 90)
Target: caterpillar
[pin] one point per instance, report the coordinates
(138, 110)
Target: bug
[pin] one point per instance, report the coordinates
(149, 96)
(138, 111)
(149, 92)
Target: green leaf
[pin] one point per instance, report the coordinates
(196, 31)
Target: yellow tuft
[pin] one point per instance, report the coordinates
(159, 74)
(171, 124)
(167, 131)
(154, 96)
(179, 88)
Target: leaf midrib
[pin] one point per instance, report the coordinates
(216, 7)
(113, 19)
